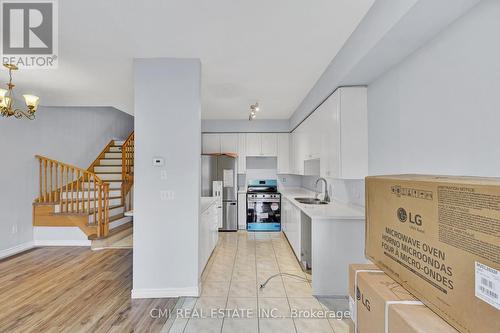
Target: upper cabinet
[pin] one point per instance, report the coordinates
(336, 133)
(229, 143)
(261, 144)
(213, 143)
(210, 143)
(254, 144)
(283, 153)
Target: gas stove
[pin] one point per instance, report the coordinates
(263, 206)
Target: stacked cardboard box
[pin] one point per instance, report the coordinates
(439, 237)
(383, 306)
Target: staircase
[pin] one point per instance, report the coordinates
(93, 199)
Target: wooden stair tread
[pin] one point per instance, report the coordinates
(110, 207)
(113, 231)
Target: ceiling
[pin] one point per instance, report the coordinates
(267, 51)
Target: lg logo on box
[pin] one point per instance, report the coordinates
(404, 216)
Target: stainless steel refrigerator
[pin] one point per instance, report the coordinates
(222, 168)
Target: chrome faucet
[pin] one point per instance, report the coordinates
(327, 196)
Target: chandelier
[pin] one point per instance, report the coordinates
(254, 108)
(7, 109)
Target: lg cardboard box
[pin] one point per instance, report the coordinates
(440, 238)
(416, 319)
(383, 305)
(375, 291)
(354, 271)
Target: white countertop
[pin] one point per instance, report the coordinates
(333, 210)
(206, 202)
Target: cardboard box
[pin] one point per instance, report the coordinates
(383, 306)
(440, 238)
(375, 292)
(354, 271)
(416, 319)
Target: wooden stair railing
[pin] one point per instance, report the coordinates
(75, 191)
(127, 169)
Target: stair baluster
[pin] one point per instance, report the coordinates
(67, 191)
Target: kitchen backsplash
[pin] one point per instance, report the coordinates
(350, 191)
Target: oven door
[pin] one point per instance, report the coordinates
(263, 213)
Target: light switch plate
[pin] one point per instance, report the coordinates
(158, 161)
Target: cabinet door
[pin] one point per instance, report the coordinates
(283, 153)
(210, 143)
(254, 144)
(229, 143)
(294, 230)
(242, 211)
(312, 136)
(242, 154)
(353, 133)
(269, 144)
(299, 142)
(330, 137)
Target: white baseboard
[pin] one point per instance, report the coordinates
(62, 242)
(16, 249)
(165, 293)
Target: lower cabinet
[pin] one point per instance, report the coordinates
(242, 211)
(291, 225)
(208, 234)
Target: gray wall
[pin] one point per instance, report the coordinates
(72, 135)
(166, 199)
(439, 110)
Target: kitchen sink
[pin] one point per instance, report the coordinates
(311, 201)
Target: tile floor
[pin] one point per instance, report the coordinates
(240, 263)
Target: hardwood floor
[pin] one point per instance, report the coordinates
(73, 289)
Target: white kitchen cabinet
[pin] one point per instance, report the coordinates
(229, 143)
(261, 144)
(292, 226)
(330, 137)
(210, 143)
(299, 151)
(269, 144)
(254, 141)
(208, 234)
(242, 211)
(337, 134)
(242, 154)
(311, 136)
(346, 114)
(283, 153)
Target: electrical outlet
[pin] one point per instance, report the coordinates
(166, 195)
(14, 229)
(283, 180)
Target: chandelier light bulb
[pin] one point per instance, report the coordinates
(7, 109)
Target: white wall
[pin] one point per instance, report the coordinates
(390, 31)
(168, 125)
(73, 135)
(439, 110)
